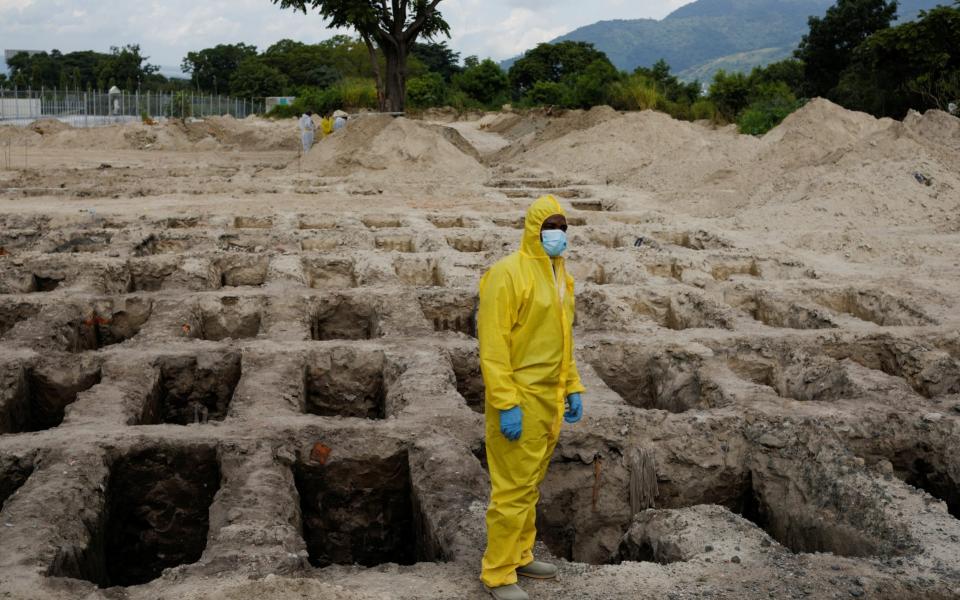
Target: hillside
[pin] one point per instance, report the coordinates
(705, 35)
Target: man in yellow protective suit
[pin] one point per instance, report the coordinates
(326, 126)
(525, 326)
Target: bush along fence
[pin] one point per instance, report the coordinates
(91, 108)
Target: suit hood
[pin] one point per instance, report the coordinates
(541, 209)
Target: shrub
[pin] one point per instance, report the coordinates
(484, 81)
(730, 92)
(548, 93)
(428, 90)
(283, 112)
(180, 106)
(633, 93)
(704, 110)
(771, 103)
(590, 88)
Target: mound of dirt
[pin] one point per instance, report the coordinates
(396, 148)
(648, 149)
(819, 132)
(18, 136)
(532, 130)
(48, 126)
(822, 163)
(935, 127)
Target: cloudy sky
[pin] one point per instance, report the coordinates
(167, 29)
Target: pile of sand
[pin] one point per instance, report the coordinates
(535, 128)
(381, 146)
(822, 163)
(645, 149)
(210, 134)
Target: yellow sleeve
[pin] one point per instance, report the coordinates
(495, 320)
(574, 384)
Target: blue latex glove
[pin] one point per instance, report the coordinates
(574, 408)
(511, 423)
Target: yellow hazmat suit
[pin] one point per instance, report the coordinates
(326, 126)
(525, 326)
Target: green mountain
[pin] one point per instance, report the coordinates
(701, 37)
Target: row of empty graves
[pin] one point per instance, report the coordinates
(198, 396)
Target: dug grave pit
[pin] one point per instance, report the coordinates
(450, 310)
(468, 243)
(374, 222)
(162, 244)
(330, 272)
(155, 516)
(796, 375)
(395, 243)
(230, 317)
(361, 511)
(871, 305)
(12, 313)
(585, 508)
(36, 398)
(419, 271)
(240, 270)
(930, 372)
(681, 311)
(344, 318)
(777, 312)
(348, 382)
(192, 389)
(919, 466)
(670, 380)
(14, 473)
(465, 361)
(104, 323)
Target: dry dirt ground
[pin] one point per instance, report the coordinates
(228, 371)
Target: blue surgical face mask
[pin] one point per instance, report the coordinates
(554, 241)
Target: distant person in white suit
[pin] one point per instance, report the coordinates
(307, 130)
(339, 120)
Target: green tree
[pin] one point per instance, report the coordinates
(549, 93)
(559, 63)
(438, 58)
(485, 82)
(124, 64)
(730, 92)
(212, 68)
(668, 85)
(590, 87)
(788, 71)
(770, 103)
(318, 65)
(913, 65)
(426, 90)
(829, 46)
(390, 28)
(254, 79)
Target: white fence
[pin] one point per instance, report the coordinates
(92, 108)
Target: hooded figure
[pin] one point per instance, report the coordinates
(307, 129)
(525, 331)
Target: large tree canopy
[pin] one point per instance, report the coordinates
(124, 66)
(212, 68)
(828, 48)
(556, 63)
(390, 27)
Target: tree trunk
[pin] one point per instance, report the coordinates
(396, 56)
(375, 63)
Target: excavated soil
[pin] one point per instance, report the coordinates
(229, 370)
